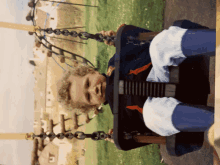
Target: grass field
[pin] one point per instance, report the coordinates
(109, 15)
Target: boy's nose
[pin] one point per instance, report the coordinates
(96, 89)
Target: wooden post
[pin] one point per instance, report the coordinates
(62, 124)
(75, 121)
(49, 52)
(34, 152)
(16, 136)
(62, 58)
(41, 142)
(28, 28)
(51, 126)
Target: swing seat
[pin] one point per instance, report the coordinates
(193, 87)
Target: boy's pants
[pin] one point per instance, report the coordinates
(168, 116)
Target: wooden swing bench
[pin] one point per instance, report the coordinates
(189, 83)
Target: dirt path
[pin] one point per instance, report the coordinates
(204, 13)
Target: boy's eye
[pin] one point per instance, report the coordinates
(88, 96)
(88, 83)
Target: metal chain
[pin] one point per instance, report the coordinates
(98, 36)
(99, 135)
(82, 35)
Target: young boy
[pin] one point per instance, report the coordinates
(86, 89)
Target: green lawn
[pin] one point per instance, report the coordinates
(109, 16)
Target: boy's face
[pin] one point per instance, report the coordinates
(89, 89)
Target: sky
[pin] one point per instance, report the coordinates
(16, 83)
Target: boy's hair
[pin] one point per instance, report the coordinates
(63, 89)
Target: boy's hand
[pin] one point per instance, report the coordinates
(110, 33)
(110, 131)
(108, 139)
